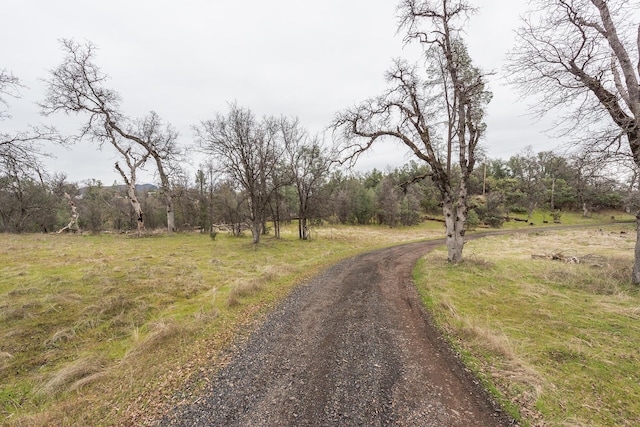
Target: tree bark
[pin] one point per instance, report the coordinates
(303, 228)
(73, 222)
(171, 214)
(131, 193)
(455, 215)
(137, 208)
(256, 229)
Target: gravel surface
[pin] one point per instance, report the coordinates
(352, 347)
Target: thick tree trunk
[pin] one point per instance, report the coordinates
(137, 208)
(168, 196)
(256, 230)
(171, 215)
(455, 216)
(635, 275)
(585, 210)
(131, 192)
(303, 228)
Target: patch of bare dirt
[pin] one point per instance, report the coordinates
(350, 347)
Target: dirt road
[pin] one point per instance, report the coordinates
(350, 347)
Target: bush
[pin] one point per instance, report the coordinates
(473, 220)
(494, 216)
(494, 221)
(518, 209)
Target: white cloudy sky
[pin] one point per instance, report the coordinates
(186, 60)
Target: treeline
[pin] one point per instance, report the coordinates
(404, 196)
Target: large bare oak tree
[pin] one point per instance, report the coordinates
(581, 59)
(20, 152)
(437, 110)
(78, 85)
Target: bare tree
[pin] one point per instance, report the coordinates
(79, 86)
(580, 57)
(9, 86)
(308, 164)
(134, 160)
(24, 150)
(24, 198)
(21, 152)
(22, 174)
(247, 151)
(161, 143)
(435, 116)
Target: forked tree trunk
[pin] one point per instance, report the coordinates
(131, 193)
(137, 208)
(303, 228)
(455, 216)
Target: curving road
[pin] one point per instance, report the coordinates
(350, 347)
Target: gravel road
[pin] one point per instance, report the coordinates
(351, 347)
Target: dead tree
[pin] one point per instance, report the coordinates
(579, 58)
(134, 162)
(160, 142)
(73, 222)
(247, 151)
(79, 86)
(437, 111)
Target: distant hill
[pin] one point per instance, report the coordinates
(141, 187)
(122, 187)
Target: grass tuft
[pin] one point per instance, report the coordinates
(241, 290)
(492, 341)
(160, 332)
(60, 337)
(72, 375)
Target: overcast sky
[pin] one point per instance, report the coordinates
(187, 60)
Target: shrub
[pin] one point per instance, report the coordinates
(473, 220)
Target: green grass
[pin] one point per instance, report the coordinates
(103, 330)
(569, 218)
(557, 343)
(106, 330)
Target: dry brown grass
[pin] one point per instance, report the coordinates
(242, 289)
(72, 376)
(557, 340)
(159, 333)
(491, 340)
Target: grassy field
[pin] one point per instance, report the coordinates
(105, 330)
(100, 330)
(557, 341)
